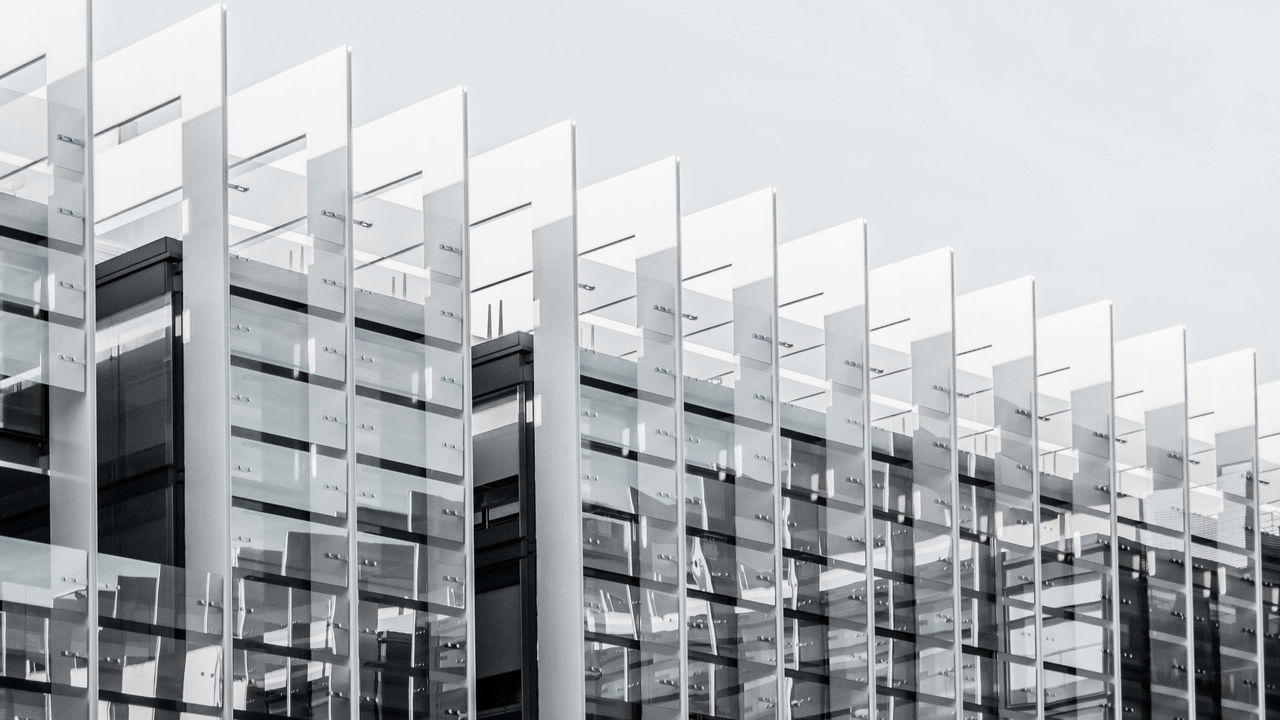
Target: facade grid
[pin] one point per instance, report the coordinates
(275, 390)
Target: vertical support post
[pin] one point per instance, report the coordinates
(442, 199)
(957, 597)
(206, 347)
(1255, 492)
(682, 519)
(1269, 565)
(863, 358)
(1116, 711)
(1037, 575)
(1113, 520)
(1188, 546)
(561, 676)
(779, 510)
(73, 462)
(349, 316)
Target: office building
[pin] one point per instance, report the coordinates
(311, 420)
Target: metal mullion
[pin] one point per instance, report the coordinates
(868, 495)
(1113, 565)
(1037, 575)
(88, 404)
(775, 435)
(957, 595)
(468, 475)
(682, 529)
(1188, 548)
(223, 251)
(1260, 625)
(349, 326)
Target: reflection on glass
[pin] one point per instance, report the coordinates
(160, 638)
(728, 303)
(411, 359)
(1223, 520)
(627, 275)
(915, 488)
(45, 610)
(140, 482)
(996, 410)
(535, 177)
(1076, 526)
(1269, 535)
(46, 426)
(822, 340)
(289, 392)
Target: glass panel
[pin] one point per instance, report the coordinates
(135, 367)
(822, 340)
(44, 612)
(1223, 519)
(290, 395)
(412, 363)
(394, 641)
(159, 148)
(631, 544)
(157, 135)
(46, 260)
(1075, 520)
(523, 268)
(915, 488)
(730, 355)
(160, 636)
(1269, 534)
(996, 411)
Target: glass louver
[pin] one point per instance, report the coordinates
(769, 481)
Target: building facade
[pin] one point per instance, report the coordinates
(312, 420)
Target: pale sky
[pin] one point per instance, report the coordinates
(1115, 150)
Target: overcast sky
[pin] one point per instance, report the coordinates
(1115, 150)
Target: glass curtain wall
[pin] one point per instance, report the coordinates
(290, 393)
(1223, 520)
(1076, 520)
(996, 413)
(523, 270)
(412, 360)
(46, 394)
(728, 310)
(826, 462)
(1269, 539)
(632, 586)
(915, 488)
(158, 131)
(1151, 479)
